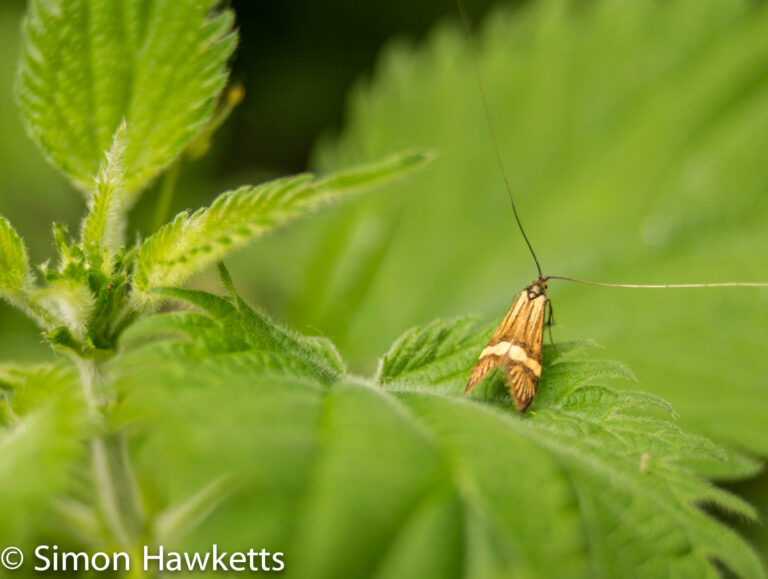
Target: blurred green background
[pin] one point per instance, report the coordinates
(634, 135)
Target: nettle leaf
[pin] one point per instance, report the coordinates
(192, 242)
(230, 329)
(16, 279)
(71, 302)
(180, 519)
(439, 354)
(436, 354)
(102, 227)
(423, 480)
(40, 444)
(14, 265)
(87, 65)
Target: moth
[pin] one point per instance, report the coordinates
(516, 346)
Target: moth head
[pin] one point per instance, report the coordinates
(537, 288)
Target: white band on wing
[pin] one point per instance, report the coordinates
(513, 352)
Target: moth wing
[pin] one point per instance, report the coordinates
(492, 355)
(484, 365)
(522, 362)
(522, 383)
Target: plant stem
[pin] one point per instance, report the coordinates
(167, 192)
(118, 493)
(92, 382)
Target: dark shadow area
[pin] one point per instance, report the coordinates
(298, 60)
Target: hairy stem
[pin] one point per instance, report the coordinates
(118, 494)
(92, 383)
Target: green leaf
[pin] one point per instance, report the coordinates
(180, 520)
(421, 479)
(70, 302)
(14, 265)
(440, 353)
(16, 279)
(192, 242)
(89, 65)
(40, 447)
(231, 329)
(419, 482)
(102, 228)
(437, 354)
(754, 491)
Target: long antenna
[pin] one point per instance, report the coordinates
(473, 55)
(661, 286)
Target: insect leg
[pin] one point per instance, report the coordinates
(550, 314)
(550, 323)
